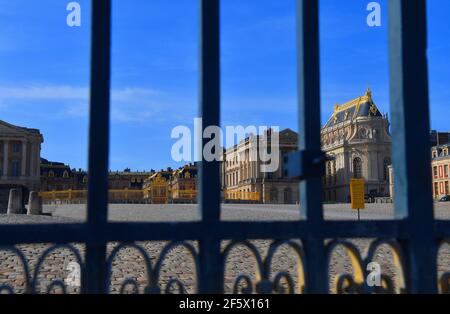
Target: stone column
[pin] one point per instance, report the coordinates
(31, 162)
(24, 159)
(5, 158)
(37, 157)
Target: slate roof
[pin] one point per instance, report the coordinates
(359, 107)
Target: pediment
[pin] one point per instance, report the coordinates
(288, 134)
(7, 129)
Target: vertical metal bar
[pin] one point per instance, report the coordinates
(209, 186)
(94, 278)
(309, 131)
(411, 131)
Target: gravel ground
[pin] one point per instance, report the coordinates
(129, 264)
(188, 212)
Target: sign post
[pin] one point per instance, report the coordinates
(357, 194)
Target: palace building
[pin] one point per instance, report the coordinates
(357, 137)
(57, 176)
(19, 160)
(60, 182)
(243, 180)
(156, 187)
(183, 184)
(172, 186)
(440, 172)
(440, 164)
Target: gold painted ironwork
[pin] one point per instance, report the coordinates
(241, 195)
(75, 195)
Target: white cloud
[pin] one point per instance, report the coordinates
(80, 110)
(66, 92)
(49, 92)
(128, 105)
(132, 94)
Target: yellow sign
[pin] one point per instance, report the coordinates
(357, 193)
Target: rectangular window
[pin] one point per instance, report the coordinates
(15, 169)
(16, 148)
(435, 172)
(447, 191)
(446, 171)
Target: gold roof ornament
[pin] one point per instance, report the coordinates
(369, 93)
(351, 109)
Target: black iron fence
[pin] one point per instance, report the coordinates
(414, 237)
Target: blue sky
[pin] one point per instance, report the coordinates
(44, 70)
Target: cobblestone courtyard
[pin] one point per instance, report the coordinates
(129, 264)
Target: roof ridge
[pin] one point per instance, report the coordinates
(356, 101)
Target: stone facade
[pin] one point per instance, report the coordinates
(57, 176)
(357, 137)
(243, 180)
(440, 165)
(19, 160)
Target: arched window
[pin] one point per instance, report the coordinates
(386, 164)
(357, 168)
(51, 174)
(65, 174)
